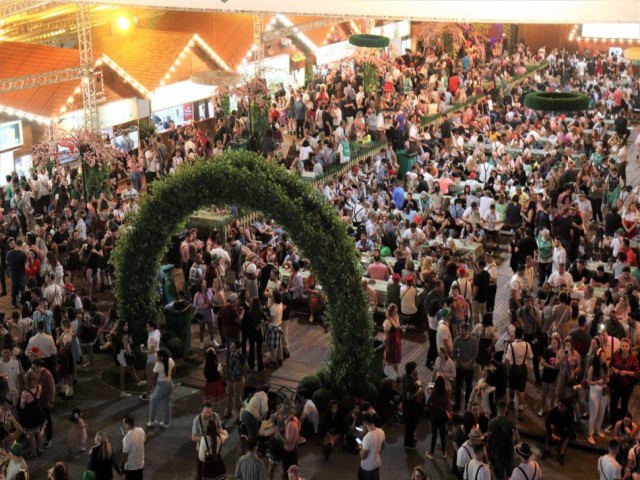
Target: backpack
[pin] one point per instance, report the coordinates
(235, 367)
(485, 349)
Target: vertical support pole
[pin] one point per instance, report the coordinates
(85, 47)
(258, 53)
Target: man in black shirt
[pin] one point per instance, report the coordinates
(622, 126)
(480, 290)
(559, 429)
(577, 229)
(564, 223)
(612, 222)
(16, 261)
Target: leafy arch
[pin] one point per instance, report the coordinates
(256, 184)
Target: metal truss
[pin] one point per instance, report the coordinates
(258, 54)
(9, 8)
(303, 27)
(85, 46)
(39, 79)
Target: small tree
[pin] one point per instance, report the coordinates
(96, 158)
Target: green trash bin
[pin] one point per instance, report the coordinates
(238, 145)
(406, 161)
(179, 322)
(168, 286)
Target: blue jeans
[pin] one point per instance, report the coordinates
(136, 179)
(161, 395)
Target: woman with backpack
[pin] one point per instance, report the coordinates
(211, 462)
(487, 336)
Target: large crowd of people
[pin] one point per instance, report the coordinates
(548, 190)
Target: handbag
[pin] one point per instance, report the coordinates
(129, 358)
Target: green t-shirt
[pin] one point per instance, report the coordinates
(545, 248)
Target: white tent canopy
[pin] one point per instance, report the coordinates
(511, 11)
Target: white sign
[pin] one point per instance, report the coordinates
(334, 52)
(111, 114)
(10, 135)
(276, 70)
(611, 30)
(178, 94)
(394, 30)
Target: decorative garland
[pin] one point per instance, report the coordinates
(556, 101)
(256, 184)
(369, 41)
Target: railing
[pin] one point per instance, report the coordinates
(247, 220)
(437, 118)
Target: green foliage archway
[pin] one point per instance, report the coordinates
(252, 183)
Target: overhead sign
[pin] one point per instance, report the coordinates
(394, 30)
(10, 135)
(334, 52)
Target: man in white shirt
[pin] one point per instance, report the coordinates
(561, 278)
(132, 450)
(528, 469)
(476, 469)
(370, 448)
(255, 411)
(416, 238)
(559, 255)
(129, 192)
(11, 370)
(466, 451)
(41, 345)
(608, 466)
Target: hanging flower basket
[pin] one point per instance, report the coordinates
(556, 101)
(369, 41)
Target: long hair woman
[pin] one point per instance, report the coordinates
(440, 415)
(124, 356)
(102, 461)
(162, 375)
(393, 339)
(597, 379)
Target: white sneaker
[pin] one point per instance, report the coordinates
(152, 424)
(164, 425)
(124, 395)
(302, 441)
(540, 413)
(141, 383)
(601, 435)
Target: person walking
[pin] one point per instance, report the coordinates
(250, 466)
(412, 394)
(162, 379)
(439, 415)
(465, 353)
(370, 448)
(501, 434)
(132, 461)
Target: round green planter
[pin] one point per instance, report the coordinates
(368, 41)
(557, 101)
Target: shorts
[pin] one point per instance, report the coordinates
(517, 382)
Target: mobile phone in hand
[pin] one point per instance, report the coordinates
(359, 442)
(122, 432)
